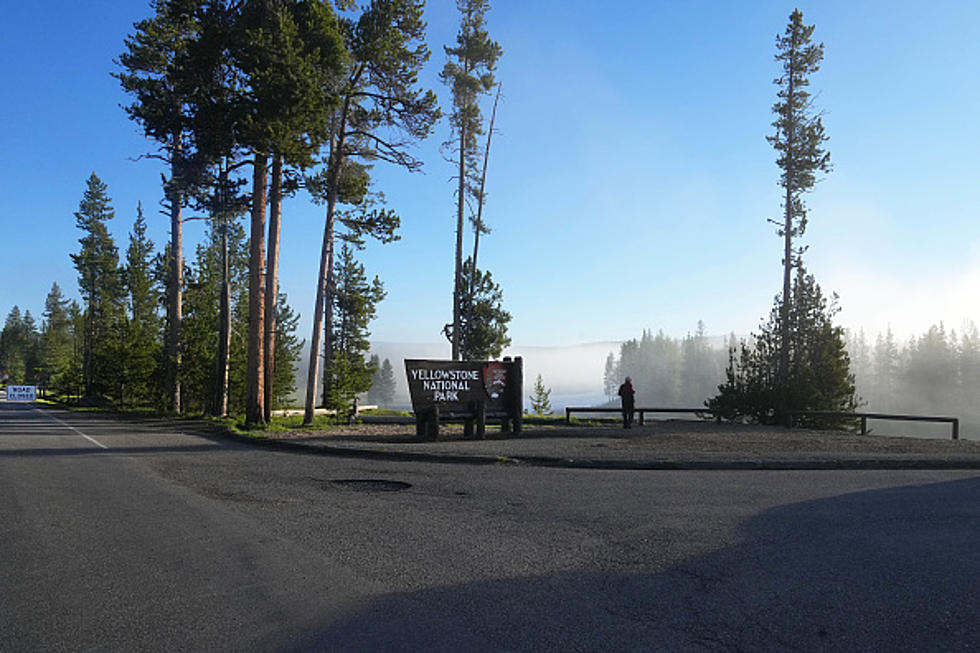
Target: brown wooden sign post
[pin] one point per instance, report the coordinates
(471, 390)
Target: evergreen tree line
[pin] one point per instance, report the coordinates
(111, 348)
(247, 102)
(667, 372)
(935, 373)
(250, 101)
(107, 346)
(24, 347)
(382, 391)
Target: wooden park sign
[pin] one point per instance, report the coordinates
(467, 390)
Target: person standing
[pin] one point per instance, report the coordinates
(627, 394)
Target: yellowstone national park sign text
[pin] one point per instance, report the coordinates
(446, 385)
(461, 386)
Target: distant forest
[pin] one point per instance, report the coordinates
(935, 373)
(667, 372)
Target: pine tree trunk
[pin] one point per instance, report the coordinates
(458, 283)
(177, 284)
(328, 343)
(272, 283)
(787, 237)
(784, 309)
(329, 346)
(220, 408)
(255, 395)
(88, 344)
(220, 399)
(479, 206)
(322, 309)
(313, 374)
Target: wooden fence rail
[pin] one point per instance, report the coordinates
(641, 411)
(791, 418)
(864, 417)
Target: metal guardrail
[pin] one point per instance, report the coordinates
(864, 417)
(641, 411)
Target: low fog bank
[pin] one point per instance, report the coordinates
(937, 373)
(574, 373)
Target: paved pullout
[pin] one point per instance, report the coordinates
(121, 535)
(675, 444)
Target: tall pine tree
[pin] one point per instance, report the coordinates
(56, 340)
(469, 73)
(13, 347)
(348, 374)
(202, 334)
(383, 111)
(143, 337)
(798, 142)
(102, 291)
(154, 65)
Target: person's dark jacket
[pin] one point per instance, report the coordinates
(627, 392)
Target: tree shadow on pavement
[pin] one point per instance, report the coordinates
(892, 569)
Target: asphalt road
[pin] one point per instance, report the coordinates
(135, 536)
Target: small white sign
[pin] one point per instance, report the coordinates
(21, 393)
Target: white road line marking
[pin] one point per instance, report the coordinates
(64, 423)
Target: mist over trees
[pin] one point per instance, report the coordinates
(934, 373)
(383, 384)
(667, 372)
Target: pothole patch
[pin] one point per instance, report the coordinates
(370, 484)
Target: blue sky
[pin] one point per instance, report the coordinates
(629, 183)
